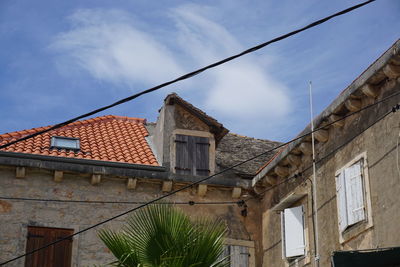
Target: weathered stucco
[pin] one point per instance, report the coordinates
(359, 137)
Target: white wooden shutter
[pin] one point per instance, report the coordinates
(293, 232)
(239, 256)
(342, 207)
(354, 193)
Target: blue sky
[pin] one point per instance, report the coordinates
(60, 59)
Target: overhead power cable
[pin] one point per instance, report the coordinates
(190, 74)
(199, 181)
(190, 202)
(301, 173)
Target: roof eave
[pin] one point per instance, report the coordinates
(82, 161)
(339, 100)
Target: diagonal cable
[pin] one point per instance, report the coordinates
(190, 74)
(203, 180)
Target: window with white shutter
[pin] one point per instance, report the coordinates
(350, 192)
(293, 232)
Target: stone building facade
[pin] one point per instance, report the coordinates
(66, 180)
(357, 180)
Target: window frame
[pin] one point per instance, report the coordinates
(53, 143)
(353, 230)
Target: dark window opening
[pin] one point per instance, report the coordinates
(192, 155)
(57, 255)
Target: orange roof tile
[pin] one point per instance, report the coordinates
(106, 138)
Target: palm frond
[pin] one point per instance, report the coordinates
(163, 236)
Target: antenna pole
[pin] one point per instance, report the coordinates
(314, 183)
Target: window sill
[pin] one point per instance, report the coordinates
(298, 261)
(354, 231)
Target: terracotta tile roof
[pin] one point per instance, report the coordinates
(106, 138)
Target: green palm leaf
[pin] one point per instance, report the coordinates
(163, 236)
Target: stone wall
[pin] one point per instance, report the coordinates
(377, 145)
(15, 216)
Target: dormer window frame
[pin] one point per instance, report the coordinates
(53, 143)
(193, 133)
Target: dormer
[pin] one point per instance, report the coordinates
(185, 138)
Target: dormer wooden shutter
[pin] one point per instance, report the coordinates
(202, 150)
(192, 155)
(183, 163)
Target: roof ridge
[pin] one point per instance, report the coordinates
(79, 123)
(239, 135)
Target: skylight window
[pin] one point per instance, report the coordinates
(65, 142)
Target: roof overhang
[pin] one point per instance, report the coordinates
(368, 74)
(78, 165)
(118, 169)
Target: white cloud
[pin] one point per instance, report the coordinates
(111, 47)
(107, 44)
(242, 88)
